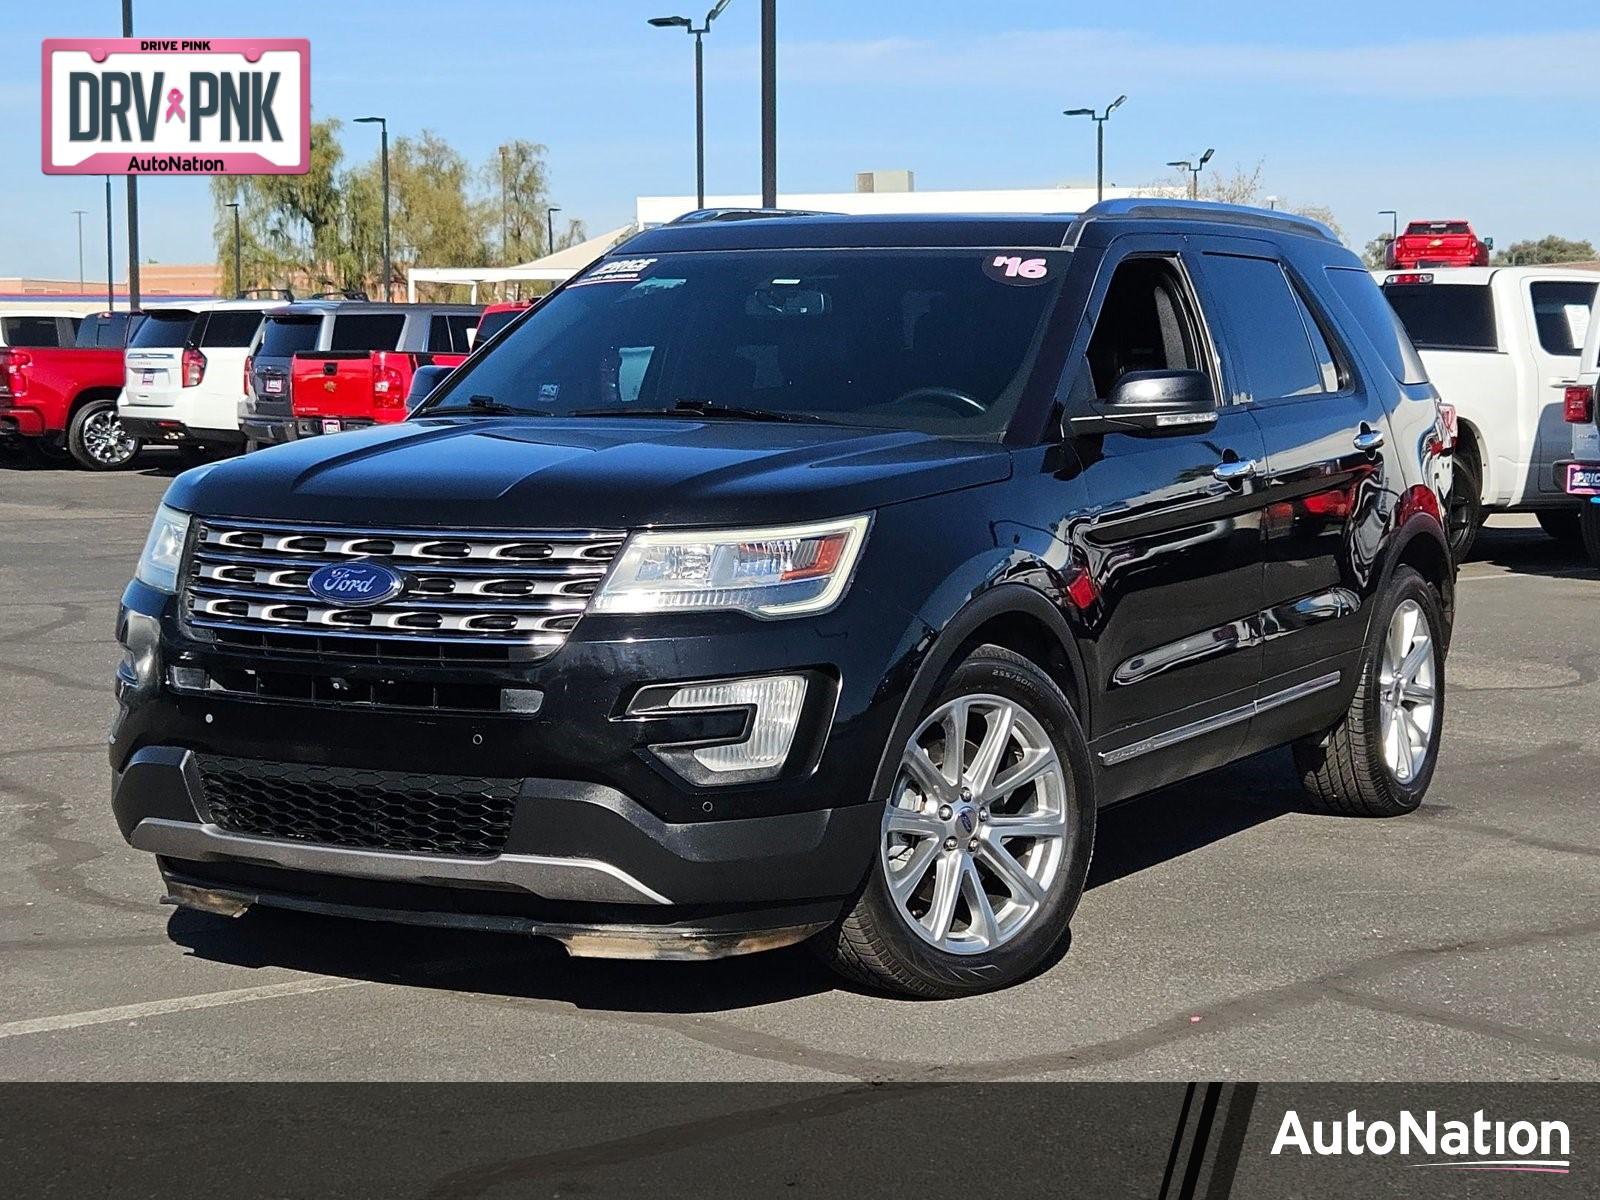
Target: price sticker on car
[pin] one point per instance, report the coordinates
(329, 425)
(147, 378)
(274, 385)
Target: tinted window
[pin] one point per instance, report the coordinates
(1379, 322)
(936, 340)
(451, 333)
(285, 336)
(367, 331)
(1269, 335)
(35, 332)
(1561, 314)
(1437, 227)
(164, 328)
(231, 328)
(104, 330)
(1457, 316)
(1144, 324)
(1332, 376)
(494, 322)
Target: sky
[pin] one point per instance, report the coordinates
(1460, 109)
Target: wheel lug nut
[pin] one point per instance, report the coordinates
(973, 844)
(949, 843)
(983, 815)
(945, 812)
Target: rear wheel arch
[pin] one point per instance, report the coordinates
(87, 396)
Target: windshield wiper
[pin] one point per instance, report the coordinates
(479, 404)
(700, 408)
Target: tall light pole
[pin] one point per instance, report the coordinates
(769, 103)
(111, 270)
(699, 31)
(383, 129)
(238, 269)
(1394, 223)
(1194, 169)
(505, 244)
(80, 213)
(1099, 120)
(550, 228)
(133, 194)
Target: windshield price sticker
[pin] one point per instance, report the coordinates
(617, 270)
(177, 106)
(1017, 269)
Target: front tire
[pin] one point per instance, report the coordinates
(97, 440)
(985, 841)
(1379, 759)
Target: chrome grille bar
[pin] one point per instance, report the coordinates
(494, 588)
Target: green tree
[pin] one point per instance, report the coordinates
(1376, 252)
(1549, 249)
(517, 186)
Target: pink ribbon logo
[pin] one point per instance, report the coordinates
(175, 106)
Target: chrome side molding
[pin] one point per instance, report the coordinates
(1233, 716)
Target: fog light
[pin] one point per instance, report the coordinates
(139, 672)
(774, 702)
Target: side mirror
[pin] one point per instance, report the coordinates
(1154, 403)
(423, 381)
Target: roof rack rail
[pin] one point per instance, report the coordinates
(267, 293)
(701, 215)
(1204, 210)
(340, 294)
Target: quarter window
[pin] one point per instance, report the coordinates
(367, 331)
(234, 328)
(31, 332)
(1561, 314)
(1271, 337)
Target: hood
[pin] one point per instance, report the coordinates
(572, 473)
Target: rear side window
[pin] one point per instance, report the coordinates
(1561, 314)
(230, 328)
(105, 330)
(286, 336)
(1455, 316)
(162, 329)
(451, 333)
(1269, 334)
(367, 331)
(36, 333)
(1379, 322)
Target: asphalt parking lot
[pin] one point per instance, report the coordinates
(1228, 934)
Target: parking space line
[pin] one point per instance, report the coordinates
(156, 1008)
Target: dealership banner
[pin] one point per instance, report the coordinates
(177, 106)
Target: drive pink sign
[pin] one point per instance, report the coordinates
(171, 106)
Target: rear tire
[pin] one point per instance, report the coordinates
(1464, 505)
(1562, 524)
(1589, 528)
(1379, 759)
(97, 440)
(954, 904)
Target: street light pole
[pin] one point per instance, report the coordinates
(699, 31)
(505, 247)
(1394, 222)
(383, 128)
(769, 103)
(80, 213)
(1099, 120)
(550, 228)
(111, 271)
(238, 269)
(133, 194)
(1194, 169)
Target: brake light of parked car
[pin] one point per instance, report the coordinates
(1579, 406)
(194, 367)
(13, 382)
(249, 361)
(388, 382)
(1411, 277)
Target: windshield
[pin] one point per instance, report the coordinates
(163, 329)
(934, 340)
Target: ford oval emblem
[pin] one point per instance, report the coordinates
(355, 584)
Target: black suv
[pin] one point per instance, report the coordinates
(807, 577)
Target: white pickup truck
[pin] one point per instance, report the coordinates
(1501, 345)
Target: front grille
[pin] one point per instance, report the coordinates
(466, 592)
(370, 810)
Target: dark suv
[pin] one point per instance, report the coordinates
(807, 577)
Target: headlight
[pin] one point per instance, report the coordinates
(781, 571)
(163, 550)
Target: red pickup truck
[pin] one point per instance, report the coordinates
(327, 367)
(62, 399)
(1439, 244)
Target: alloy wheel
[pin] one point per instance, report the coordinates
(975, 833)
(106, 441)
(1407, 692)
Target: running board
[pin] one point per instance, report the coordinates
(1233, 716)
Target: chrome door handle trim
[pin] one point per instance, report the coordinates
(1234, 470)
(1368, 440)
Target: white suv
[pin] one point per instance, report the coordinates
(1501, 346)
(185, 373)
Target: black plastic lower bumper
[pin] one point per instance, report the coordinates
(157, 431)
